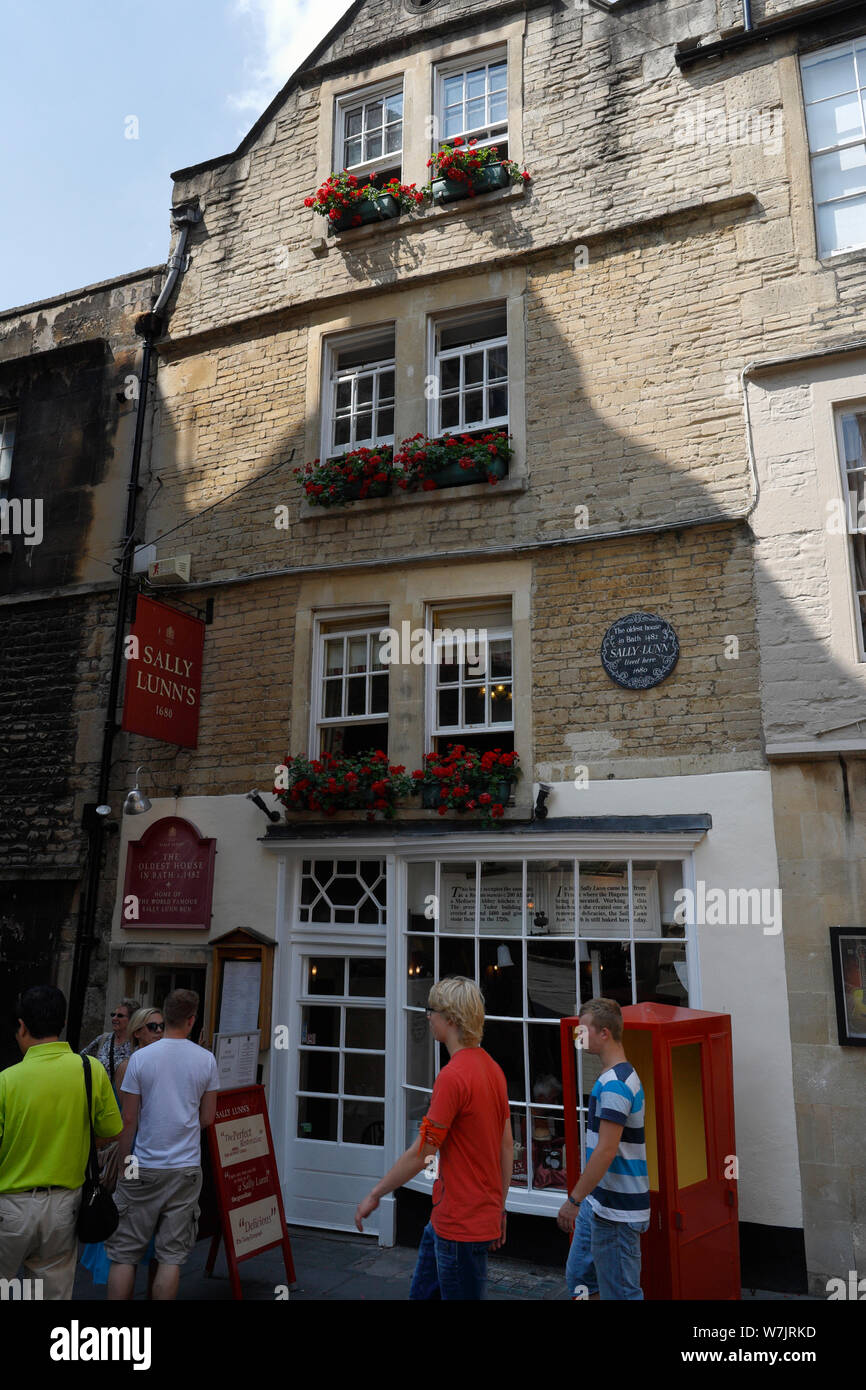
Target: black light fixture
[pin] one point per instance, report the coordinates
(256, 798)
(544, 790)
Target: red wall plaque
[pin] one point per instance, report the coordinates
(169, 877)
(247, 1182)
(163, 682)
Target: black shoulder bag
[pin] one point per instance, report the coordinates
(97, 1215)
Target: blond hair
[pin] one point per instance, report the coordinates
(460, 1001)
(138, 1020)
(605, 1013)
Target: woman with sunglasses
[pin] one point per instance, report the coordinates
(145, 1026)
(116, 1046)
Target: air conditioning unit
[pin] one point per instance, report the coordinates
(173, 571)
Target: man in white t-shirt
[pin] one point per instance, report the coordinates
(169, 1096)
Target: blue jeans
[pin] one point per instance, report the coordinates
(449, 1269)
(605, 1257)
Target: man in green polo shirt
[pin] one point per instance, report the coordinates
(44, 1143)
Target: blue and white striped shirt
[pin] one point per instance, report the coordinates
(623, 1193)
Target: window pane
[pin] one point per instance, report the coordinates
(420, 969)
(342, 432)
(473, 366)
(831, 122)
(364, 426)
(453, 123)
(320, 1071)
(497, 363)
(451, 412)
(457, 957)
(386, 387)
(394, 106)
(334, 656)
(333, 699)
(551, 979)
(497, 408)
(354, 120)
(501, 890)
(829, 77)
(605, 971)
(498, 108)
(344, 395)
(475, 114)
(475, 704)
(325, 975)
(842, 226)
(453, 89)
(449, 709)
(416, 1108)
(504, 1042)
(518, 1130)
(385, 423)
(500, 657)
(840, 174)
(317, 1119)
(604, 900)
(502, 977)
(378, 695)
(367, 977)
(545, 1063)
(456, 910)
(365, 390)
(661, 974)
(364, 1075)
(353, 153)
(320, 1027)
(501, 703)
(449, 374)
(363, 1122)
(393, 138)
(374, 146)
(419, 1050)
(356, 702)
(496, 76)
(373, 115)
(548, 1150)
(475, 82)
(474, 407)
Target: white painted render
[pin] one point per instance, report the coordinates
(736, 969)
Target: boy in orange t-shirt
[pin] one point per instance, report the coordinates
(469, 1125)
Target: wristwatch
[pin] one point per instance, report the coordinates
(574, 1203)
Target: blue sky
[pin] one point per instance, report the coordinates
(82, 201)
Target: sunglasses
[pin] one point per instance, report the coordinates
(155, 1027)
(120, 1015)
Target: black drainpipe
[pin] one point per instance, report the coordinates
(148, 327)
(747, 14)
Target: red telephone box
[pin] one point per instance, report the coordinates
(683, 1059)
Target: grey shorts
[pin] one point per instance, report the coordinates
(160, 1202)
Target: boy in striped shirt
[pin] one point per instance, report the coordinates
(609, 1207)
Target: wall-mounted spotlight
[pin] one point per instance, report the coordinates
(136, 802)
(256, 798)
(544, 790)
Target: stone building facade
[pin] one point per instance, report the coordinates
(663, 256)
(66, 418)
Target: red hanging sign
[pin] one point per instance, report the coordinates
(163, 674)
(169, 877)
(247, 1182)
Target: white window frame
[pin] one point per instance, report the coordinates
(8, 422)
(354, 626)
(488, 134)
(489, 727)
(532, 1199)
(812, 60)
(435, 357)
(376, 368)
(853, 520)
(366, 96)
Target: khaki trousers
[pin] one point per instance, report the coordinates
(37, 1230)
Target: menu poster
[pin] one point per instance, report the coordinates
(237, 1057)
(550, 904)
(247, 1182)
(239, 1002)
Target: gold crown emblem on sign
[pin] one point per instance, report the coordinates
(172, 830)
(169, 634)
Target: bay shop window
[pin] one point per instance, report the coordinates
(537, 935)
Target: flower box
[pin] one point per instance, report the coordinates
(444, 190)
(378, 209)
(460, 780)
(452, 475)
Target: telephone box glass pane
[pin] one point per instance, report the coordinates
(689, 1122)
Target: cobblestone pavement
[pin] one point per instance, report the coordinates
(333, 1266)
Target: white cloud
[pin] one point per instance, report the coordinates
(280, 35)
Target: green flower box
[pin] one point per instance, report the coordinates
(485, 181)
(380, 209)
(452, 475)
